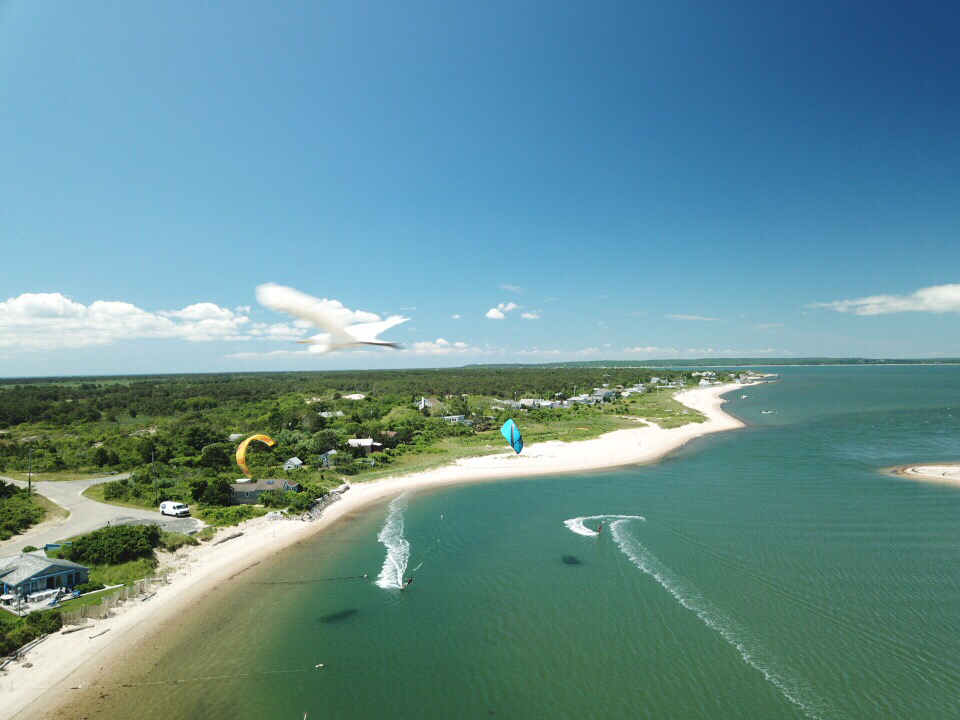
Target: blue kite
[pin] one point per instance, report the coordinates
(512, 433)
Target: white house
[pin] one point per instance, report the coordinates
(426, 403)
(233, 437)
(293, 463)
(367, 444)
(455, 418)
(354, 396)
(329, 414)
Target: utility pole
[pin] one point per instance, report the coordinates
(153, 474)
(30, 474)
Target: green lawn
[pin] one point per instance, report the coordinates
(52, 510)
(94, 598)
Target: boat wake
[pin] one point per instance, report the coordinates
(753, 653)
(398, 549)
(578, 525)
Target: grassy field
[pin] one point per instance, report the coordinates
(52, 510)
(662, 408)
(94, 598)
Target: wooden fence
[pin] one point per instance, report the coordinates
(111, 600)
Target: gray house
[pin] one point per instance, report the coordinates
(293, 463)
(28, 573)
(248, 493)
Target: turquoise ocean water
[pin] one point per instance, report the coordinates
(770, 572)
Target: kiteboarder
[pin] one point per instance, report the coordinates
(406, 584)
(599, 528)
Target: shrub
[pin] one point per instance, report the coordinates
(113, 544)
(299, 502)
(30, 548)
(89, 587)
(229, 515)
(173, 541)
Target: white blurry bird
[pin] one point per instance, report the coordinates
(318, 313)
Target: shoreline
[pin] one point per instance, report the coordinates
(63, 663)
(944, 473)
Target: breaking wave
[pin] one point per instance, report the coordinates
(398, 549)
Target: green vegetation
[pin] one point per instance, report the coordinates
(18, 511)
(113, 545)
(171, 433)
(16, 632)
(173, 541)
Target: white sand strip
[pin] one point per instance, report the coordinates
(63, 662)
(948, 474)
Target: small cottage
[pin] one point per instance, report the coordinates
(29, 573)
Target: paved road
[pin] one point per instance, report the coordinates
(85, 514)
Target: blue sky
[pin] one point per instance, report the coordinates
(647, 179)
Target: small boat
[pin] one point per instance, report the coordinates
(766, 412)
(743, 397)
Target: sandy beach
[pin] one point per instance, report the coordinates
(945, 473)
(62, 662)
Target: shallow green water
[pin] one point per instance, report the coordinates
(777, 574)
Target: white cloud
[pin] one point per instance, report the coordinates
(551, 299)
(455, 316)
(649, 349)
(530, 316)
(767, 326)
(443, 347)
(49, 321)
(935, 299)
(499, 312)
(512, 288)
(699, 318)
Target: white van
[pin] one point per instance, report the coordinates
(177, 509)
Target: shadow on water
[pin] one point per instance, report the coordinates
(339, 615)
(571, 560)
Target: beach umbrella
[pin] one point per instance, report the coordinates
(512, 434)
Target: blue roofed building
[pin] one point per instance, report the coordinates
(29, 573)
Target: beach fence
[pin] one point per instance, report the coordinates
(144, 587)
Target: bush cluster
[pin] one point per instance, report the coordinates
(113, 545)
(17, 513)
(17, 632)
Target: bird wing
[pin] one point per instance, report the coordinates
(291, 301)
(368, 332)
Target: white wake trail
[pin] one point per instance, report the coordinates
(755, 655)
(398, 549)
(578, 524)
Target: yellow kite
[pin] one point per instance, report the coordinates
(242, 451)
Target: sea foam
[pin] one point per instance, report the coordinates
(398, 549)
